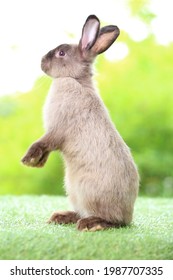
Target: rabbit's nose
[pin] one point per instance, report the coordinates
(45, 64)
(44, 59)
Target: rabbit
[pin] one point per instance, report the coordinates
(101, 178)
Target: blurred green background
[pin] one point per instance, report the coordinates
(138, 92)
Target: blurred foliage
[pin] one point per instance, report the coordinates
(140, 9)
(138, 92)
(140, 101)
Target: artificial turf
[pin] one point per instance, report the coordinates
(24, 233)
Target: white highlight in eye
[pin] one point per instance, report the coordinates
(60, 53)
(118, 51)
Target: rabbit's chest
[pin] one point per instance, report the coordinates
(61, 104)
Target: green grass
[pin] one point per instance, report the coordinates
(24, 233)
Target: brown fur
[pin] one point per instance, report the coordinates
(101, 177)
(94, 223)
(64, 217)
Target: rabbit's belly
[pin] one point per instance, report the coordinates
(87, 196)
(87, 201)
(91, 196)
(78, 194)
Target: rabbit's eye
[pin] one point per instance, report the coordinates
(61, 53)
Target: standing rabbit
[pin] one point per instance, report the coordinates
(101, 177)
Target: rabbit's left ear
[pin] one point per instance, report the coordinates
(106, 38)
(89, 33)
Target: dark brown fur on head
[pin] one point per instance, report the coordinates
(66, 61)
(75, 60)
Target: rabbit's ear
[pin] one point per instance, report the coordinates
(107, 36)
(89, 33)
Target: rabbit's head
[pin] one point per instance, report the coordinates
(75, 60)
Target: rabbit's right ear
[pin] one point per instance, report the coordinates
(90, 33)
(106, 37)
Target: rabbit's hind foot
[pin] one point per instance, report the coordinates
(94, 224)
(64, 217)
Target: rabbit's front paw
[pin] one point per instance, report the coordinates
(64, 217)
(36, 156)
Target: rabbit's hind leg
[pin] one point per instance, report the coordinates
(94, 224)
(64, 217)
